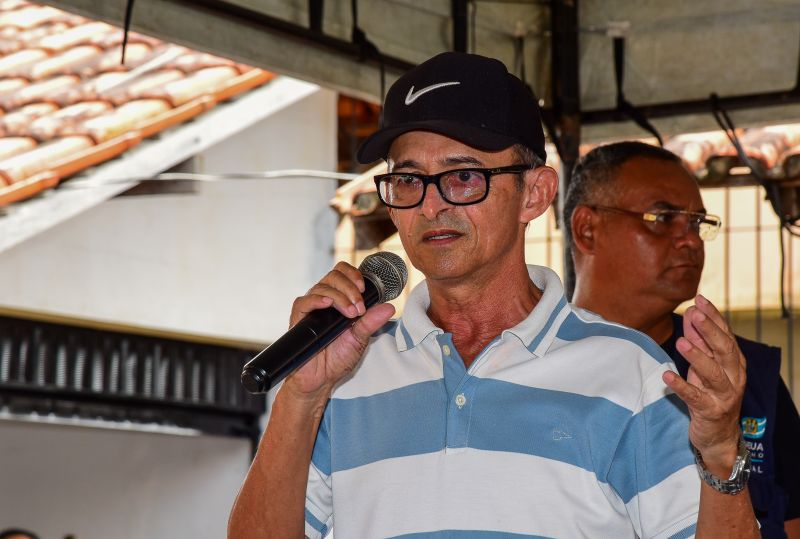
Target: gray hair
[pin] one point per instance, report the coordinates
(526, 156)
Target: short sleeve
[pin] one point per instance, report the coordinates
(319, 494)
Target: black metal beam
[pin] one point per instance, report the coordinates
(566, 102)
(244, 16)
(458, 9)
(315, 11)
(696, 106)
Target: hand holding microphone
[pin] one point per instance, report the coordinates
(330, 309)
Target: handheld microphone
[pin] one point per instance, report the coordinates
(385, 275)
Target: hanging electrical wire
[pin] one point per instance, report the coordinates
(623, 105)
(771, 188)
(367, 49)
(126, 27)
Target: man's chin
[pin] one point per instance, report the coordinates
(679, 292)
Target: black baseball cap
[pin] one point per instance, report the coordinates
(467, 97)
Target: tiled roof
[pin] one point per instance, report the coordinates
(709, 155)
(67, 102)
(714, 159)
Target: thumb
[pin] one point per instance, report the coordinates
(373, 319)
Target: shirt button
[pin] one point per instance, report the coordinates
(461, 400)
(446, 350)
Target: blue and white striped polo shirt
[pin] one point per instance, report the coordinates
(561, 427)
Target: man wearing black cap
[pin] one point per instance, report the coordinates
(491, 408)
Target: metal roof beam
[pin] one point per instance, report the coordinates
(255, 37)
(696, 106)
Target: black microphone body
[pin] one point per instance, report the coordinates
(313, 333)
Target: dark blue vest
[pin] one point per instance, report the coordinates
(758, 420)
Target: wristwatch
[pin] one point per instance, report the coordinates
(739, 475)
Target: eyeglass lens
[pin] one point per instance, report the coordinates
(456, 187)
(679, 222)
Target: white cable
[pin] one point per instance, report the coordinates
(192, 176)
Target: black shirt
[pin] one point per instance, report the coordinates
(771, 429)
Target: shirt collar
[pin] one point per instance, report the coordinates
(415, 325)
(539, 328)
(536, 331)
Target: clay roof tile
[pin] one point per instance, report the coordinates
(20, 61)
(41, 158)
(69, 61)
(11, 5)
(14, 122)
(194, 61)
(64, 120)
(11, 146)
(131, 88)
(87, 90)
(67, 102)
(39, 91)
(135, 55)
(117, 121)
(203, 82)
(8, 85)
(31, 16)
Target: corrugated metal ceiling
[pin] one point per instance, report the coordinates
(676, 51)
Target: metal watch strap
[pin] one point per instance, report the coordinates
(739, 475)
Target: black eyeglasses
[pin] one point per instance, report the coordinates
(675, 222)
(460, 187)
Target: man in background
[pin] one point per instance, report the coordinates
(637, 226)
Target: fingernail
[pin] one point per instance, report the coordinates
(702, 299)
(352, 310)
(699, 316)
(683, 345)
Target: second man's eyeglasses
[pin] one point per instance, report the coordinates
(673, 221)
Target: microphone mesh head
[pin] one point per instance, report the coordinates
(388, 270)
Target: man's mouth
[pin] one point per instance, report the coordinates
(686, 264)
(439, 235)
(687, 267)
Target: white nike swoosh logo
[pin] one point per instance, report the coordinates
(412, 95)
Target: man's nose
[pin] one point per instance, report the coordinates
(685, 233)
(432, 202)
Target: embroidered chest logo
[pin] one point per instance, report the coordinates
(560, 434)
(754, 427)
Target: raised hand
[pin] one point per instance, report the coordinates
(714, 386)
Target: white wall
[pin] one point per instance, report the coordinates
(227, 261)
(104, 484)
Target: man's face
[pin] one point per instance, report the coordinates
(644, 265)
(445, 241)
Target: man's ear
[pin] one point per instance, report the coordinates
(584, 227)
(540, 187)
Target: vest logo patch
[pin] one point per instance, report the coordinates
(754, 427)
